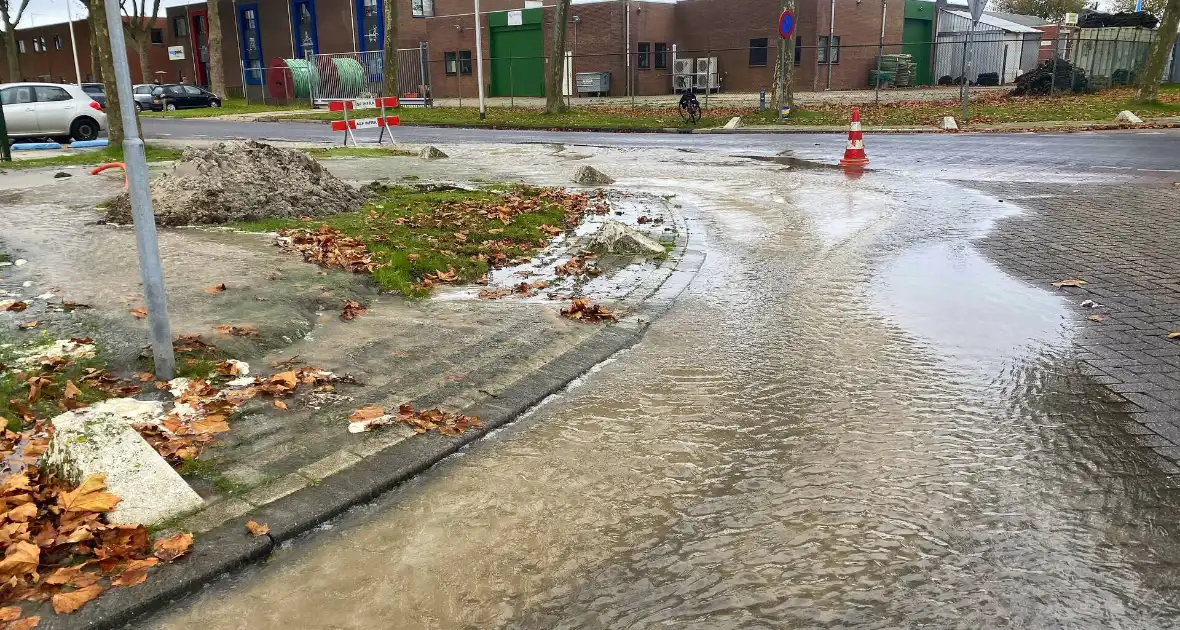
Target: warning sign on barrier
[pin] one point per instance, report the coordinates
(349, 125)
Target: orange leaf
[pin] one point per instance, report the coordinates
(145, 377)
(89, 497)
(138, 312)
(215, 289)
(366, 413)
(71, 391)
(9, 613)
(28, 623)
(21, 559)
(286, 379)
(1069, 283)
(28, 325)
(256, 528)
(66, 603)
(280, 404)
(135, 572)
(210, 424)
(16, 482)
(172, 548)
(22, 513)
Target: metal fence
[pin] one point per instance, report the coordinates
(321, 78)
(1111, 57)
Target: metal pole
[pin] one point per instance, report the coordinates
(1056, 53)
(74, 44)
(880, 50)
(141, 203)
(831, 40)
(511, 84)
(5, 152)
(966, 67)
(483, 111)
(627, 8)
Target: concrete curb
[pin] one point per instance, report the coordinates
(229, 547)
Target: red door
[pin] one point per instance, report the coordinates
(199, 31)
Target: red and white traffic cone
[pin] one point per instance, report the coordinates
(854, 155)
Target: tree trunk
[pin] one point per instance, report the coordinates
(389, 62)
(1149, 87)
(784, 72)
(554, 103)
(101, 36)
(216, 67)
(143, 48)
(95, 67)
(10, 52)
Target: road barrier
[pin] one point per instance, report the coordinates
(382, 122)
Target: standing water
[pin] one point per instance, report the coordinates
(849, 419)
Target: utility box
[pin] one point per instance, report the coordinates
(594, 83)
(707, 79)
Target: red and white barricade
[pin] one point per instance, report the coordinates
(348, 125)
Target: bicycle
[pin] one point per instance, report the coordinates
(690, 108)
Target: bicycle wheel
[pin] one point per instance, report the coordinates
(686, 113)
(694, 112)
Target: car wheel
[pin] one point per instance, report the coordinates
(138, 107)
(84, 129)
(214, 103)
(170, 107)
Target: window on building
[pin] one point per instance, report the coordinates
(251, 43)
(304, 27)
(464, 62)
(798, 50)
(451, 63)
(36, 45)
(822, 51)
(422, 8)
(758, 51)
(20, 46)
(371, 23)
(661, 55)
(157, 36)
(179, 27)
(56, 42)
(644, 55)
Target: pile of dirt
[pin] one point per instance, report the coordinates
(242, 181)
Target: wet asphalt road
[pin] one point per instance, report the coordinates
(1136, 153)
(851, 418)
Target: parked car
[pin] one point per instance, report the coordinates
(175, 96)
(97, 91)
(48, 110)
(143, 95)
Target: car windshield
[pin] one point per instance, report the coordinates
(93, 89)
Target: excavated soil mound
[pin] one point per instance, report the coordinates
(242, 181)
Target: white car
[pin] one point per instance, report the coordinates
(61, 112)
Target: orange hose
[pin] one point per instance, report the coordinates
(102, 167)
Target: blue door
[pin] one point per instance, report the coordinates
(303, 26)
(370, 24)
(251, 38)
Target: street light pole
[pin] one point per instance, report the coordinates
(483, 109)
(74, 43)
(141, 203)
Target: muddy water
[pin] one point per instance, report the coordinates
(849, 419)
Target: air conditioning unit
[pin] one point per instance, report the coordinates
(706, 74)
(682, 75)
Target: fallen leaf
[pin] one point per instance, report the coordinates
(449, 276)
(22, 513)
(139, 312)
(215, 289)
(29, 325)
(71, 392)
(89, 497)
(1069, 283)
(9, 613)
(145, 377)
(1097, 318)
(243, 330)
(1175, 335)
(256, 528)
(21, 559)
(366, 413)
(135, 572)
(28, 623)
(15, 482)
(352, 309)
(66, 603)
(286, 379)
(280, 404)
(72, 576)
(15, 307)
(172, 548)
(209, 424)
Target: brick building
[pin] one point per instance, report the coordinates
(45, 54)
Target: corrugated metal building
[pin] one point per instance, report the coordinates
(997, 45)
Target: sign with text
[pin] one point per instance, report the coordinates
(515, 18)
(176, 53)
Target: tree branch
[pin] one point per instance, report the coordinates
(19, 14)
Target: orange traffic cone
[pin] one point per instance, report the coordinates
(854, 155)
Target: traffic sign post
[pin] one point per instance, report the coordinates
(786, 28)
(349, 125)
(976, 9)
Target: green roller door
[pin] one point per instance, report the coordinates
(517, 53)
(917, 38)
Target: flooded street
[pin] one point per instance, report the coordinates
(850, 418)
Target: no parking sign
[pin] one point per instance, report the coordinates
(786, 24)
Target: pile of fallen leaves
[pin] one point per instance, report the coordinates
(580, 265)
(328, 247)
(445, 423)
(524, 289)
(56, 546)
(582, 310)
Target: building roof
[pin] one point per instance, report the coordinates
(1025, 20)
(1002, 24)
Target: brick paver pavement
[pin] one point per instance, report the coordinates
(1124, 241)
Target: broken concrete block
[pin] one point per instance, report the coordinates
(1127, 116)
(432, 153)
(590, 176)
(100, 439)
(949, 124)
(734, 122)
(616, 238)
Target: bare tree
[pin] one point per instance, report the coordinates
(784, 72)
(101, 35)
(138, 25)
(10, 22)
(1052, 10)
(1154, 7)
(554, 103)
(390, 55)
(216, 68)
(1165, 38)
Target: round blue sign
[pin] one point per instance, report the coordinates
(786, 24)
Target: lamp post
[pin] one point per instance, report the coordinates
(483, 109)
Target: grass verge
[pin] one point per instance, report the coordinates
(989, 108)
(42, 391)
(594, 117)
(321, 153)
(228, 107)
(89, 158)
(416, 234)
